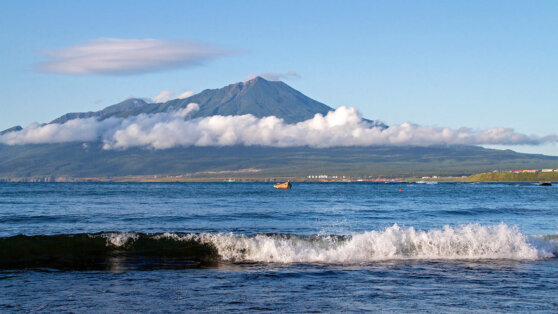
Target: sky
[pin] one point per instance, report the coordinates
(475, 64)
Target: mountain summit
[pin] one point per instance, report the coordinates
(257, 96)
(260, 98)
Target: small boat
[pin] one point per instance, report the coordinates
(283, 186)
(545, 184)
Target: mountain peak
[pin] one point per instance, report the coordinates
(255, 79)
(256, 96)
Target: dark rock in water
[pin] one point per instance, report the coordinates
(545, 184)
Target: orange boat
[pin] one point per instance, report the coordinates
(283, 186)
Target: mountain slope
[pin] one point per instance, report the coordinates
(126, 105)
(12, 129)
(258, 97)
(79, 160)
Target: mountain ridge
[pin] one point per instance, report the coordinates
(257, 96)
(260, 98)
(107, 112)
(91, 160)
(12, 129)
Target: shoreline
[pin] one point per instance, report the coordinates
(480, 177)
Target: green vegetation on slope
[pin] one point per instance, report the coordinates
(79, 160)
(514, 177)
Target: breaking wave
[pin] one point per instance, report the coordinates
(467, 242)
(471, 241)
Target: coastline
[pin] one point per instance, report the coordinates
(479, 177)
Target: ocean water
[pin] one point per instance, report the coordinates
(126, 247)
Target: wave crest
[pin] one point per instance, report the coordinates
(472, 241)
(466, 242)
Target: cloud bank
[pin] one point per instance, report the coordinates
(116, 56)
(342, 127)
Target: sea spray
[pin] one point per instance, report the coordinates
(120, 239)
(471, 241)
(100, 250)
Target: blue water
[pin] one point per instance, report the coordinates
(318, 247)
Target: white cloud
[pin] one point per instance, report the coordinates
(274, 76)
(163, 96)
(186, 94)
(342, 127)
(76, 130)
(292, 74)
(117, 56)
(166, 95)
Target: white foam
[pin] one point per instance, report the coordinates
(466, 242)
(120, 239)
(472, 241)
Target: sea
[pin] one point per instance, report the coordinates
(318, 247)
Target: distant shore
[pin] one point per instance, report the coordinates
(514, 177)
(480, 177)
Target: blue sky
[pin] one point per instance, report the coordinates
(479, 64)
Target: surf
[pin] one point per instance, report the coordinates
(393, 243)
(466, 242)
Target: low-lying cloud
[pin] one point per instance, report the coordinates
(115, 56)
(342, 127)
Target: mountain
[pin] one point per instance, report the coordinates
(114, 110)
(260, 98)
(91, 160)
(12, 129)
(257, 96)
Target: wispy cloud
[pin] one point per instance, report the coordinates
(273, 76)
(342, 127)
(115, 56)
(186, 94)
(166, 95)
(163, 96)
